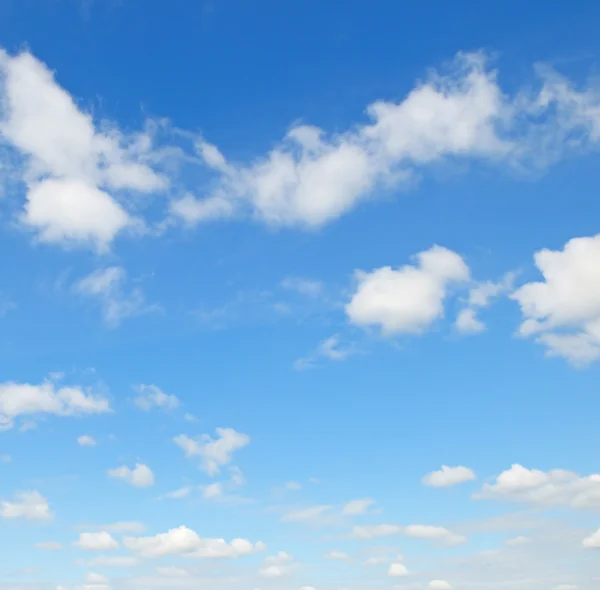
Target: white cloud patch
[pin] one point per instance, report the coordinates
(215, 453)
(439, 585)
(100, 541)
(593, 541)
(557, 487)
(69, 164)
(151, 396)
(337, 556)
(107, 287)
(30, 505)
(407, 300)
(397, 570)
(85, 440)
(357, 507)
(434, 533)
(562, 312)
(140, 476)
(186, 542)
(306, 515)
(24, 399)
(331, 348)
(277, 566)
(448, 476)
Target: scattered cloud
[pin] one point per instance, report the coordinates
(557, 487)
(593, 541)
(448, 476)
(562, 312)
(215, 453)
(86, 440)
(357, 507)
(150, 396)
(184, 541)
(397, 570)
(107, 287)
(277, 566)
(407, 300)
(369, 532)
(24, 399)
(331, 349)
(100, 541)
(439, 585)
(306, 515)
(29, 505)
(140, 476)
(434, 533)
(337, 556)
(303, 286)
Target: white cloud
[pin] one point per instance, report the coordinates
(150, 396)
(277, 566)
(439, 585)
(397, 570)
(107, 286)
(100, 541)
(331, 349)
(171, 571)
(303, 286)
(434, 533)
(593, 541)
(556, 487)
(113, 561)
(121, 527)
(306, 514)
(337, 556)
(562, 312)
(69, 164)
(480, 296)
(29, 505)
(293, 486)
(49, 545)
(215, 453)
(86, 440)
(140, 476)
(212, 491)
(369, 532)
(409, 299)
(24, 399)
(448, 476)
(179, 493)
(357, 507)
(184, 541)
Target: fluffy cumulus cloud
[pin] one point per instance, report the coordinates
(409, 299)
(151, 396)
(141, 476)
(71, 167)
(448, 476)
(186, 542)
(562, 311)
(557, 487)
(313, 177)
(593, 541)
(100, 541)
(214, 453)
(25, 399)
(29, 505)
(107, 286)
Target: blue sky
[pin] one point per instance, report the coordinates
(299, 295)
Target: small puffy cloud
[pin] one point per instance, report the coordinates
(593, 541)
(293, 486)
(331, 348)
(562, 312)
(409, 299)
(107, 287)
(369, 532)
(100, 541)
(480, 296)
(556, 487)
(49, 546)
(516, 541)
(140, 476)
(397, 570)
(439, 585)
(357, 507)
(184, 541)
(29, 505)
(434, 533)
(277, 566)
(86, 440)
(179, 493)
(215, 453)
(150, 396)
(448, 476)
(24, 399)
